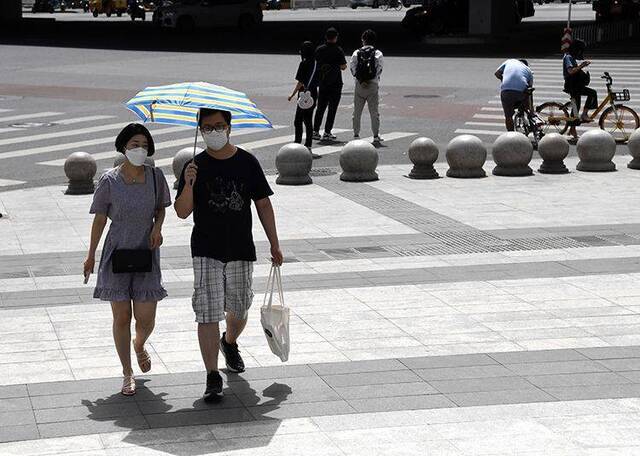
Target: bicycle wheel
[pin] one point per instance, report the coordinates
(520, 123)
(554, 115)
(620, 122)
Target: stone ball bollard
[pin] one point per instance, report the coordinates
(80, 168)
(120, 158)
(180, 159)
(293, 162)
(423, 153)
(596, 149)
(634, 149)
(553, 149)
(466, 155)
(512, 153)
(358, 161)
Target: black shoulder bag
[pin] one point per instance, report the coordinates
(134, 260)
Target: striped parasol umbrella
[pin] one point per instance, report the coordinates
(179, 104)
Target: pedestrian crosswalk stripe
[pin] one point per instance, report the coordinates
(254, 145)
(490, 108)
(5, 110)
(71, 121)
(327, 150)
(164, 145)
(9, 182)
(34, 115)
(487, 116)
(466, 131)
(501, 124)
(79, 144)
(62, 134)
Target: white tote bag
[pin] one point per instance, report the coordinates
(275, 318)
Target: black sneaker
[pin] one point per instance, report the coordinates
(231, 355)
(214, 387)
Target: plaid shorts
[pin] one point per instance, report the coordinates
(221, 287)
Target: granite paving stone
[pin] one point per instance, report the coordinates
(426, 362)
(9, 391)
(371, 378)
(84, 427)
(594, 391)
(511, 396)
(480, 384)
(310, 409)
(465, 372)
(557, 367)
(580, 379)
(379, 404)
(197, 417)
(11, 433)
(386, 390)
(537, 356)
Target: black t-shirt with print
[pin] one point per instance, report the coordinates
(222, 197)
(330, 58)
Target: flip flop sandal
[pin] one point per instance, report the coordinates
(128, 386)
(144, 360)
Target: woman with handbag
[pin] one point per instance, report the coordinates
(133, 196)
(307, 90)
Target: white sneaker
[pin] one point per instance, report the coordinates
(377, 139)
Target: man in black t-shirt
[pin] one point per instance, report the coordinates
(218, 187)
(330, 62)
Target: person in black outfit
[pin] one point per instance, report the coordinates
(306, 81)
(331, 62)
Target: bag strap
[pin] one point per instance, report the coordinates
(313, 73)
(274, 279)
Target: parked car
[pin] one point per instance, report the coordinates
(187, 15)
(108, 7)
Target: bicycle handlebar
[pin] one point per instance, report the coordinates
(607, 77)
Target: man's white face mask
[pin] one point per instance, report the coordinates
(216, 140)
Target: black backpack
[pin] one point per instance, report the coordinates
(366, 64)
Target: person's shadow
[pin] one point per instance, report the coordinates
(161, 421)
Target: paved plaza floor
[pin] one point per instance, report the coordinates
(495, 316)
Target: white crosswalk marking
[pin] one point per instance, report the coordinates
(35, 115)
(254, 145)
(72, 121)
(79, 144)
(62, 134)
(5, 110)
(174, 143)
(327, 150)
(549, 83)
(9, 182)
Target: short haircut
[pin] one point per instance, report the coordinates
(525, 61)
(369, 37)
(206, 112)
(331, 33)
(129, 132)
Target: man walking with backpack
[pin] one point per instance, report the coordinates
(330, 63)
(366, 66)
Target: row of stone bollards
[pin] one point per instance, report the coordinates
(466, 156)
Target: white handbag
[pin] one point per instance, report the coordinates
(305, 99)
(275, 318)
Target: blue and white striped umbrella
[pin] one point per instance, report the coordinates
(178, 104)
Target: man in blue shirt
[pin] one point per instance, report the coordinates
(516, 77)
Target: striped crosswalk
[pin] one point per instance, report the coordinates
(549, 84)
(51, 136)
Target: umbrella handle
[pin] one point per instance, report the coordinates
(195, 141)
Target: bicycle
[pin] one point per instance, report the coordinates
(527, 121)
(391, 4)
(617, 119)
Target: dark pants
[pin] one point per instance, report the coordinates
(328, 96)
(304, 117)
(591, 101)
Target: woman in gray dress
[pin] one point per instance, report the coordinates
(133, 196)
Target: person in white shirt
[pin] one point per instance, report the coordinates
(366, 67)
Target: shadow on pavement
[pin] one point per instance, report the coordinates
(155, 422)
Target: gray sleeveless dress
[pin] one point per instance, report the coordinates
(131, 209)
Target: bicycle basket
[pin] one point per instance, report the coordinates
(621, 96)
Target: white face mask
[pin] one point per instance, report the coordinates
(136, 156)
(216, 140)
